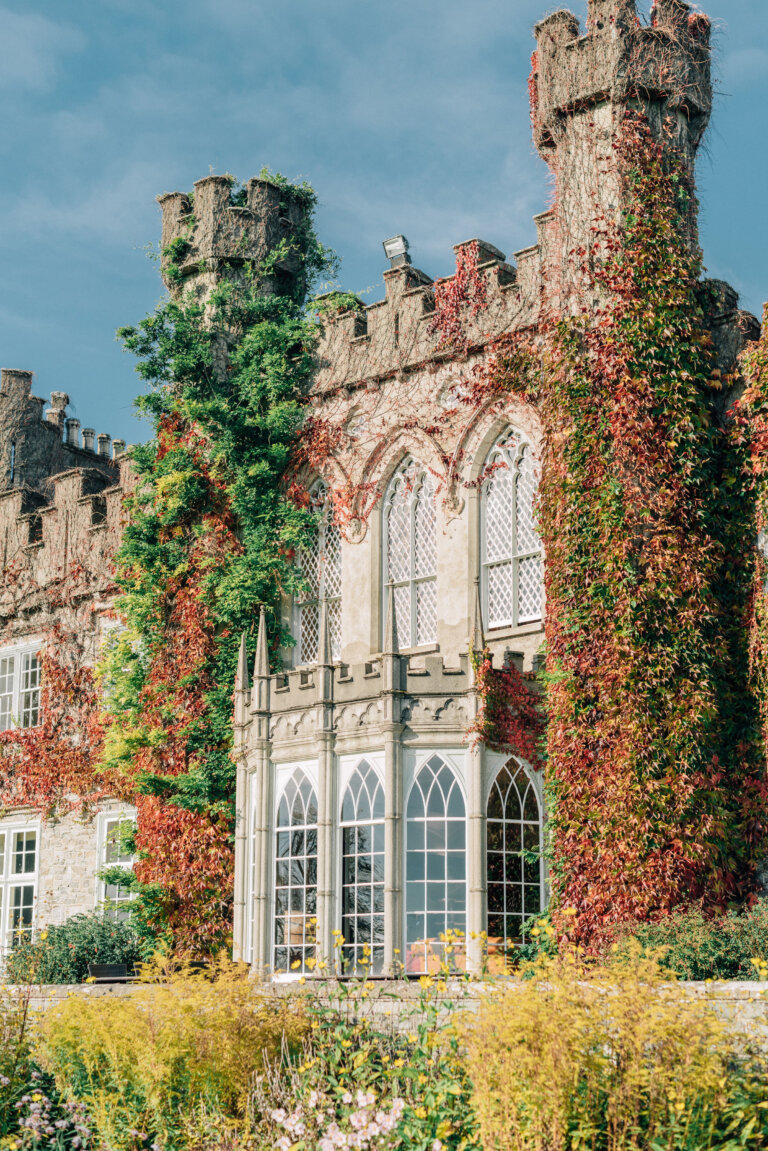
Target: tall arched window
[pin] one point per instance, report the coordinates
(512, 560)
(436, 894)
(514, 854)
(320, 562)
(410, 532)
(296, 875)
(362, 895)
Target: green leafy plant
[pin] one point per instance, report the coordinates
(61, 954)
(698, 946)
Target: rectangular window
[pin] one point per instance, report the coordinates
(115, 896)
(19, 688)
(18, 886)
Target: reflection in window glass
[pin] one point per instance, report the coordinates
(116, 896)
(514, 855)
(296, 876)
(436, 897)
(362, 896)
(18, 877)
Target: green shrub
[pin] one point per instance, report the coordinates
(144, 1062)
(16, 1065)
(62, 954)
(696, 947)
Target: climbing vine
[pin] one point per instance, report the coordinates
(656, 784)
(210, 536)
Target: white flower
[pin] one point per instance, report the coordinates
(346, 1097)
(437, 1145)
(283, 1144)
(279, 1116)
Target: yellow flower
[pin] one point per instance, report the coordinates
(399, 1063)
(535, 931)
(421, 1112)
(296, 965)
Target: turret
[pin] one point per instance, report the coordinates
(582, 87)
(217, 232)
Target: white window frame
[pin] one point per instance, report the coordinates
(321, 504)
(514, 560)
(18, 653)
(113, 904)
(432, 953)
(353, 967)
(9, 881)
(419, 475)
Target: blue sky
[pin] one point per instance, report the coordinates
(406, 115)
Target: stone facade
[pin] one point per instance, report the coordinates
(361, 807)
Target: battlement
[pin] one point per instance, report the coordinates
(216, 227)
(34, 446)
(399, 333)
(74, 534)
(619, 59)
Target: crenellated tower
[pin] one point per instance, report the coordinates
(582, 87)
(218, 231)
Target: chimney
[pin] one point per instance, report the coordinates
(104, 442)
(73, 432)
(88, 438)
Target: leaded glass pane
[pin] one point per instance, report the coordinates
(362, 932)
(511, 543)
(527, 534)
(435, 868)
(320, 563)
(513, 855)
(411, 554)
(296, 875)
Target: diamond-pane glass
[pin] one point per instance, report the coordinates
(501, 595)
(424, 536)
(527, 535)
(426, 611)
(513, 832)
(411, 551)
(499, 495)
(403, 615)
(309, 632)
(513, 589)
(529, 589)
(399, 532)
(320, 562)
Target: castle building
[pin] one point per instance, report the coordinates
(364, 813)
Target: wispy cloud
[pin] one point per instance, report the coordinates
(33, 48)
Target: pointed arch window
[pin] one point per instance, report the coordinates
(436, 889)
(514, 863)
(320, 563)
(362, 893)
(512, 553)
(296, 875)
(410, 554)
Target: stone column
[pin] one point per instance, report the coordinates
(394, 845)
(477, 876)
(261, 769)
(242, 807)
(326, 818)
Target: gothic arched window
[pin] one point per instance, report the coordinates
(410, 533)
(435, 870)
(362, 895)
(296, 875)
(514, 854)
(512, 559)
(320, 563)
